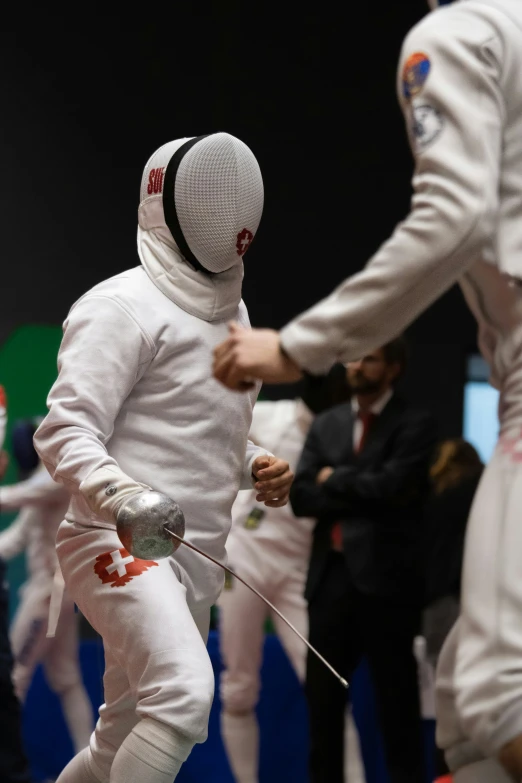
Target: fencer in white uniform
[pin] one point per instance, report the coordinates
(43, 504)
(461, 93)
(135, 407)
(270, 548)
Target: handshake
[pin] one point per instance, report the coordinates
(151, 525)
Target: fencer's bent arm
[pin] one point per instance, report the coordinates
(252, 452)
(255, 436)
(454, 205)
(103, 354)
(34, 491)
(13, 539)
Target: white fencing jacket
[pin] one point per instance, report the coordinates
(461, 93)
(135, 389)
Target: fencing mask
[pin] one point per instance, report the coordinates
(208, 193)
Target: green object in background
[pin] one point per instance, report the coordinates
(28, 369)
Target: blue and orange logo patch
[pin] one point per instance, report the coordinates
(414, 74)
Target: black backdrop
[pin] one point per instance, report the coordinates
(87, 96)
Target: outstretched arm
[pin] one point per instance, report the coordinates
(454, 119)
(13, 539)
(34, 491)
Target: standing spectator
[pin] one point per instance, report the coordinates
(455, 474)
(364, 475)
(13, 764)
(43, 505)
(270, 548)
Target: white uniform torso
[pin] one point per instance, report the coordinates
(281, 428)
(464, 117)
(135, 389)
(43, 505)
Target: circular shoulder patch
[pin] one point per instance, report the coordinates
(427, 125)
(414, 74)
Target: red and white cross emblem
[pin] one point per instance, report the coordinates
(244, 240)
(118, 568)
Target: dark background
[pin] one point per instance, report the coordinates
(88, 96)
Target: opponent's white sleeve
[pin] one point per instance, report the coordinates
(13, 540)
(102, 356)
(454, 205)
(38, 489)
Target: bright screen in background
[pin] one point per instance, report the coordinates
(480, 409)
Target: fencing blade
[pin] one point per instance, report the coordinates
(343, 682)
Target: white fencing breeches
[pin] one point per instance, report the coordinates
(242, 617)
(156, 662)
(479, 678)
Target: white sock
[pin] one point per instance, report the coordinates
(81, 770)
(487, 771)
(151, 753)
(78, 715)
(241, 739)
(354, 771)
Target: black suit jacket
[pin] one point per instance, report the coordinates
(378, 495)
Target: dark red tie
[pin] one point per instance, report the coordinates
(367, 418)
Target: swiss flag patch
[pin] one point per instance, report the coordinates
(243, 242)
(118, 568)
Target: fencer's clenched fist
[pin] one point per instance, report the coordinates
(273, 480)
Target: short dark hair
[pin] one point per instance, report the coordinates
(396, 352)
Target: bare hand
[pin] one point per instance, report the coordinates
(323, 475)
(273, 480)
(252, 354)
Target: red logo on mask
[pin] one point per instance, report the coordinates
(118, 568)
(244, 240)
(155, 181)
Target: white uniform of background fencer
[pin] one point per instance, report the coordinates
(135, 394)
(273, 557)
(465, 224)
(44, 503)
(3, 416)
